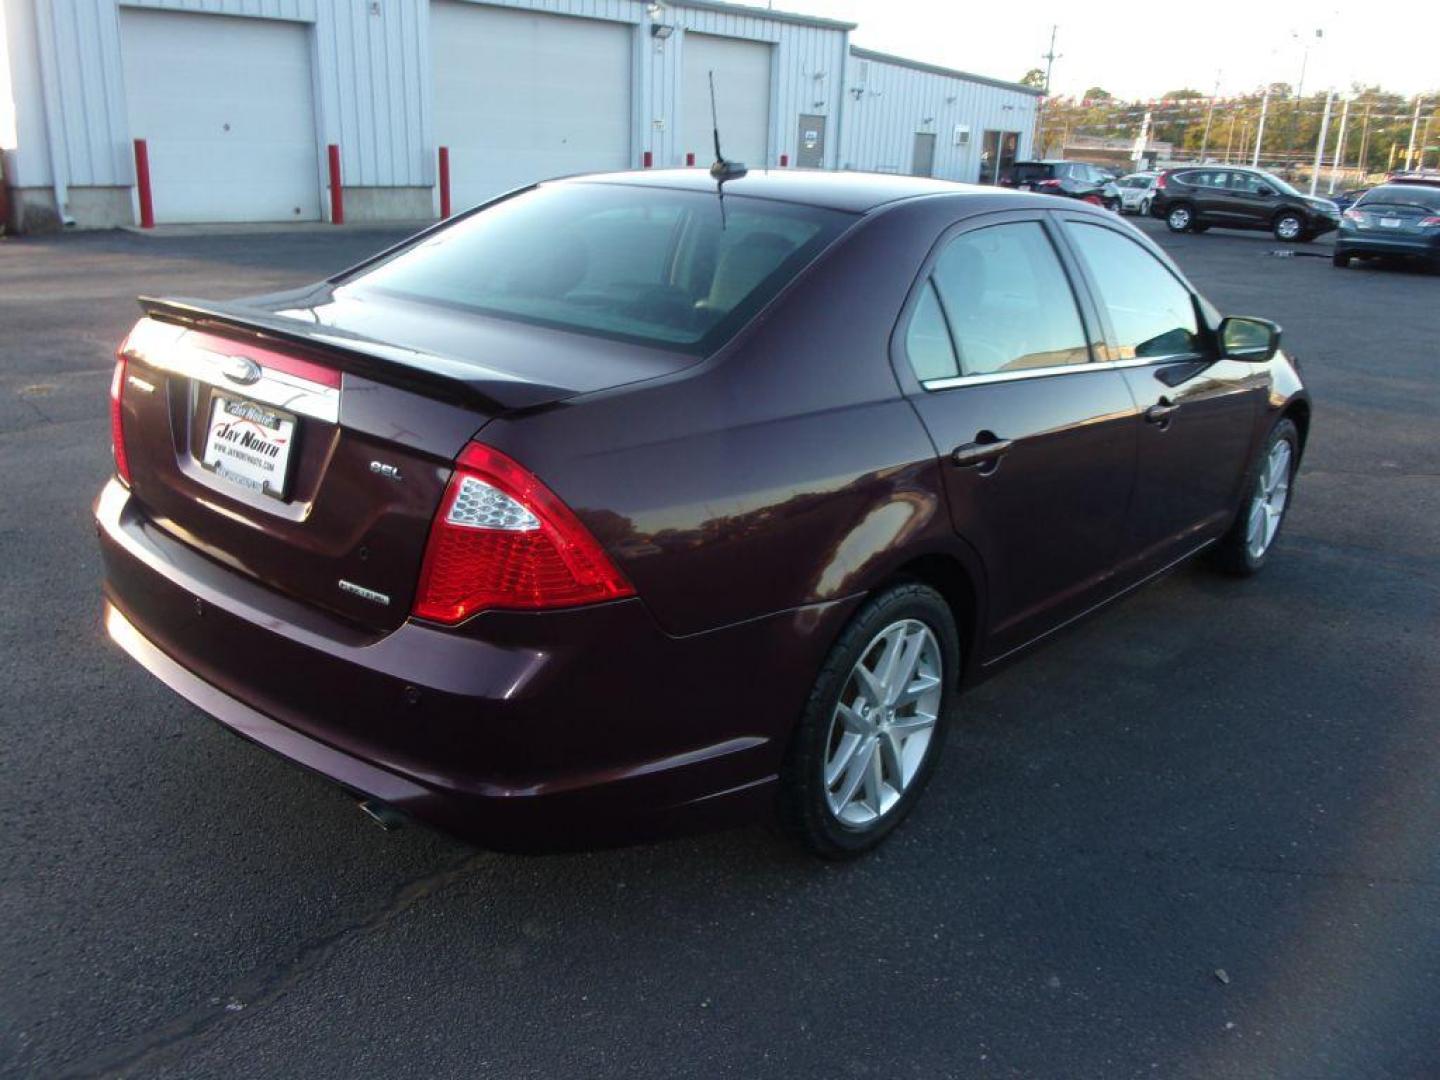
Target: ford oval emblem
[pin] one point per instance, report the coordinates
(240, 369)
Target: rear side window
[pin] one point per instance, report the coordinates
(1006, 302)
(1151, 313)
(656, 267)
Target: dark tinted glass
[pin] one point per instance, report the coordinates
(656, 267)
(1008, 301)
(1031, 170)
(1151, 312)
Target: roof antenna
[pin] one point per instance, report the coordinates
(721, 170)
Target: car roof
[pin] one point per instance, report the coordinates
(853, 192)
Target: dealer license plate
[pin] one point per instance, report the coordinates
(1390, 222)
(250, 445)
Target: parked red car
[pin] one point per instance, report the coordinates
(610, 510)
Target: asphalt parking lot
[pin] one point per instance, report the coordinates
(1196, 837)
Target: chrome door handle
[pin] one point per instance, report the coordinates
(980, 453)
(1160, 413)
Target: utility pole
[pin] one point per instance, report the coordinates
(1260, 132)
(1230, 139)
(1050, 58)
(1320, 143)
(1339, 162)
(1414, 129)
(1209, 116)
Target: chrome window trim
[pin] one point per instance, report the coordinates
(1059, 369)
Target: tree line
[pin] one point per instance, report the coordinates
(1377, 132)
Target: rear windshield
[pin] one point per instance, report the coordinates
(1033, 170)
(1411, 195)
(647, 265)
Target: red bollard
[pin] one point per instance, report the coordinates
(337, 197)
(784, 160)
(690, 158)
(142, 184)
(444, 182)
(648, 159)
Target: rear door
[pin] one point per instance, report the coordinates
(1249, 206)
(1037, 443)
(1196, 413)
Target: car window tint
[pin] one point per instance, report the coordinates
(666, 268)
(927, 341)
(1151, 312)
(1008, 301)
(1246, 183)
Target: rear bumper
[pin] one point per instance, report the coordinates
(1349, 243)
(516, 731)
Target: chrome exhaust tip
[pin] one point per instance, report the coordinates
(383, 814)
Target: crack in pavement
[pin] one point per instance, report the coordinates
(262, 988)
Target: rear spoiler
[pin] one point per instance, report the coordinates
(433, 375)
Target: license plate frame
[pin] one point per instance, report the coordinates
(251, 428)
(1390, 222)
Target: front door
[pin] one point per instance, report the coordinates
(922, 161)
(810, 146)
(1195, 413)
(1036, 442)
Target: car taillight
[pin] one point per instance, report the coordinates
(1160, 182)
(117, 420)
(1048, 183)
(1432, 220)
(1353, 215)
(502, 539)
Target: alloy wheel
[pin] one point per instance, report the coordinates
(881, 727)
(1267, 506)
(1288, 227)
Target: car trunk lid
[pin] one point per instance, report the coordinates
(298, 447)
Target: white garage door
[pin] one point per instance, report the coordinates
(226, 107)
(522, 96)
(742, 99)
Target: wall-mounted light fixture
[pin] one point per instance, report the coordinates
(661, 31)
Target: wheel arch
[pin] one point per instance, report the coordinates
(955, 582)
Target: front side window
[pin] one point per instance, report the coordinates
(1151, 312)
(654, 267)
(1007, 301)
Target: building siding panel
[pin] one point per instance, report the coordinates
(374, 89)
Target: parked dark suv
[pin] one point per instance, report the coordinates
(1194, 198)
(1073, 179)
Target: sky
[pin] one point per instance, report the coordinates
(1142, 50)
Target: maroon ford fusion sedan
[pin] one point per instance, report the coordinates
(612, 509)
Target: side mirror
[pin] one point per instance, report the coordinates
(1253, 341)
(1264, 192)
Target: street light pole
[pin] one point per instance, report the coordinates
(1339, 162)
(1260, 132)
(1209, 117)
(1414, 130)
(1320, 143)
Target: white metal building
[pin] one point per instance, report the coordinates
(237, 101)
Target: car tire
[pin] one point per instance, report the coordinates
(1180, 217)
(840, 806)
(1144, 208)
(1113, 205)
(1289, 228)
(1246, 546)
(1340, 259)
